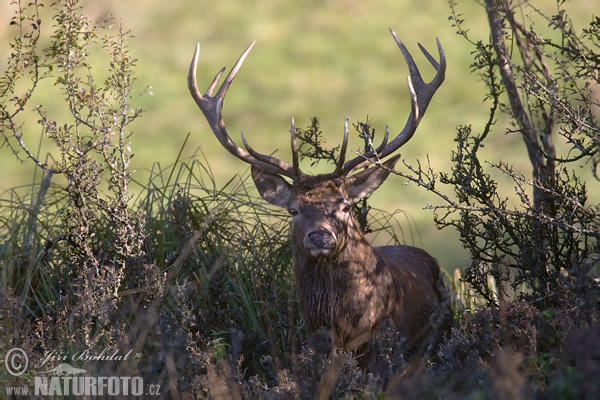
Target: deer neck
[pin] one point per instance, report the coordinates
(324, 284)
(355, 253)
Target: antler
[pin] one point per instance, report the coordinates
(421, 94)
(212, 108)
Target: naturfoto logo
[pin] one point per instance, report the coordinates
(58, 377)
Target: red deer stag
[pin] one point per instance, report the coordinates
(343, 283)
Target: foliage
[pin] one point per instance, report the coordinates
(311, 144)
(549, 240)
(541, 245)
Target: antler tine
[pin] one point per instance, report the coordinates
(421, 94)
(227, 82)
(295, 160)
(284, 168)
(340, 164)
(426, 90)
(384, 141)
(212, 108)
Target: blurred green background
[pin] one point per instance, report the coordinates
(330, 59)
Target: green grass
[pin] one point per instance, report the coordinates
(332, 60)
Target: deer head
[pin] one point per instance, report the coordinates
(325, 232)
(321, 205)
(312, 200)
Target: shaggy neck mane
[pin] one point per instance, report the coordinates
(323, 283)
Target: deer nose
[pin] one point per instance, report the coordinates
(319, 239)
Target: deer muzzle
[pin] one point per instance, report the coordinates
(319, 242)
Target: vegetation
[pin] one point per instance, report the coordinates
(193, 280)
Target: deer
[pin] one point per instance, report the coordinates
(344, 284)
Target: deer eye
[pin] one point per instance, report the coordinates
(293, 212)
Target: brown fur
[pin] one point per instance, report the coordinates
(343, 282)
(355, 287)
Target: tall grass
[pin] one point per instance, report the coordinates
(214, 284)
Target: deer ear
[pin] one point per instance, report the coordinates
(272, 187)
(366, 182)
